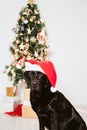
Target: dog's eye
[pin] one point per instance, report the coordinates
(40, 75)
(30, 74)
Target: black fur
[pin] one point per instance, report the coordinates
(53, 109)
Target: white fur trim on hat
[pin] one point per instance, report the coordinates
(32, 67)
(53, 90)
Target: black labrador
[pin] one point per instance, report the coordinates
(54, 111)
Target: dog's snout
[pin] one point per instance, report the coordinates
(34, 82)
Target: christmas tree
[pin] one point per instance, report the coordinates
(30, 41)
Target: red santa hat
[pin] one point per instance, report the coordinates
(46, 67)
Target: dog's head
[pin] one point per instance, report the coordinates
(37, 81)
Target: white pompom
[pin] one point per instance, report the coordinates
(53, 90)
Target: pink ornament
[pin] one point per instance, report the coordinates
(39, 36)
(20, 63)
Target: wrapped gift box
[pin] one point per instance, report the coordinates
(10, 91)
(26, 94)
(28, 112)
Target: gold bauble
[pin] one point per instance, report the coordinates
(12, 71)
(38, 22)
(14, 75)
(17, 41)
(27, 46)
(22, 18)
(14, 63)
(25, 52)
(31, 19)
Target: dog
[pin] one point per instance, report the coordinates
(54, 111)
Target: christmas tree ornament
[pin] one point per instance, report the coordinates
(21, 34)
(33, 39)
(22, 46)
(20, 63)
(36, 54)
(36, 12)
(38, 22)
(14, 63)
(16, 56)
(25, 52)
(25, 21)
(22, 28)
(27, 39)
(14, 75)
(14, 39)
(26, 46)
(16, 50)
(31, 19)
(17, 41)
(27, 11)
(19, 66)
(38, 36)
(29, 31)
(12, 71)
(41, 42)
(31, 1)
(23, 18)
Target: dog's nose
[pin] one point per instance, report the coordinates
(34, 82)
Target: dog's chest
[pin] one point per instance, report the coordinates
(44, 116)
(43, 111)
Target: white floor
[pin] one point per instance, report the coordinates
(19, 123)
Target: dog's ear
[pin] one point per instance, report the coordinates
(46, 82)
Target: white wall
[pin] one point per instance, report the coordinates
(66, 22)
